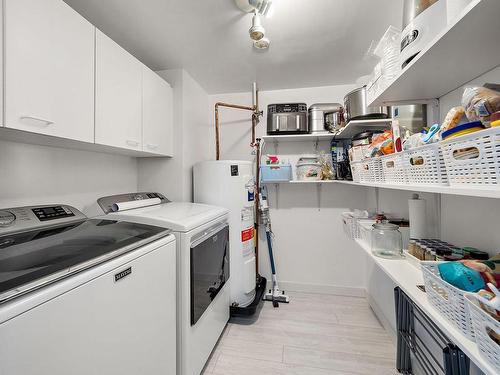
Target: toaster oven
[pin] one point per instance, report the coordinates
(287, 118)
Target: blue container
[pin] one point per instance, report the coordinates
(275, 173)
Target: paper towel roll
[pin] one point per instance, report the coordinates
(135, 204)
(418, 217)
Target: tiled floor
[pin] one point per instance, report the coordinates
(314, 334)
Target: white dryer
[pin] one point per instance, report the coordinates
(203, 290)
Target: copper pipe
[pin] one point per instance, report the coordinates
(217, 127)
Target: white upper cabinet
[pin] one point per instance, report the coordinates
(118, 96)
(157, 114)
(49, 69)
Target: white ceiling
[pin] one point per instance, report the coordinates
(313, 42)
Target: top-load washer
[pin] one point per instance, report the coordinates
(85, 296)
(203, 290)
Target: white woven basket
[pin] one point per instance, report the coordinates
(393, 169)
(356, 171)
(483, 324)
(365, 174)
(447, 299)
(377, 173)
(349, 224)
(424, 165)
(479, 169)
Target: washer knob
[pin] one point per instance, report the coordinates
(6, 218)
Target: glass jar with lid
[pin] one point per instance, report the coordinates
(387, 241)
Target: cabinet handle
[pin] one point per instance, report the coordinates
(132, 143)
(46, 122)
(152, 146)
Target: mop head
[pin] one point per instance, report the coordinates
(276, 295)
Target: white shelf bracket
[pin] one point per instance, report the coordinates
(316, 145)
(277, 188)
(318, 190)
(275, 147)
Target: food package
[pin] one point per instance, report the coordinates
(382, 144)
(480, 103)
(453, 118)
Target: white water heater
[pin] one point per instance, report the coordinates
(230, 184)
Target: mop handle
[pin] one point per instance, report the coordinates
(270, 247)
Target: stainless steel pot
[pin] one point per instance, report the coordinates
(356, 106)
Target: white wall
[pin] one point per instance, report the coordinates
(311, 250)
(173, 177)
(34, 174)
(470, 221)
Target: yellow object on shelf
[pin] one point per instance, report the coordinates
(464, 132)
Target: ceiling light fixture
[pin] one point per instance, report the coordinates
(257, 31)
(262, 43)
(259, 6)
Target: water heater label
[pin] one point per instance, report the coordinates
(247, 213)
(247, 234)
(234, 170)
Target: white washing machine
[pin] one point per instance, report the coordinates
(84, 296)
(203, 290)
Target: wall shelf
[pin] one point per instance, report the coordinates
(294, 182)
(464, 50)
(407, 277)
(347, 132)
(464, 191)
(313, 137)
(357, 126)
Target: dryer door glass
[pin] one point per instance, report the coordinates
(209, 269)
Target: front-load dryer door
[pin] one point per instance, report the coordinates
(209, 265)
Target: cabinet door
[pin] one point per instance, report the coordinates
(157, 116)
(118, 97)
(49, 69)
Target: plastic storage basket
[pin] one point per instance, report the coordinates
(483, 324)
(275, 173)
(447, 299)
(377, 173)
(365, 231)
(473, 159)
(371, 170)
(349, 224)
(424, 165)
(393, 169)
(356, 171)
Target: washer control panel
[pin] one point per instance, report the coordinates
(52, 212)
(19, 219)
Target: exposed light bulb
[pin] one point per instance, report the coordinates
(257, 31)
(262, 43)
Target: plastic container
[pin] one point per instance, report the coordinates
(447, 299)
(365, 230)
(356, 171)
(275, 173)
(484, 325)
(463, 129)
(386, 241)
(308, 171)
(425, 165)
(473, 159)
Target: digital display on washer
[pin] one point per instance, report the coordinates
(51, 213)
